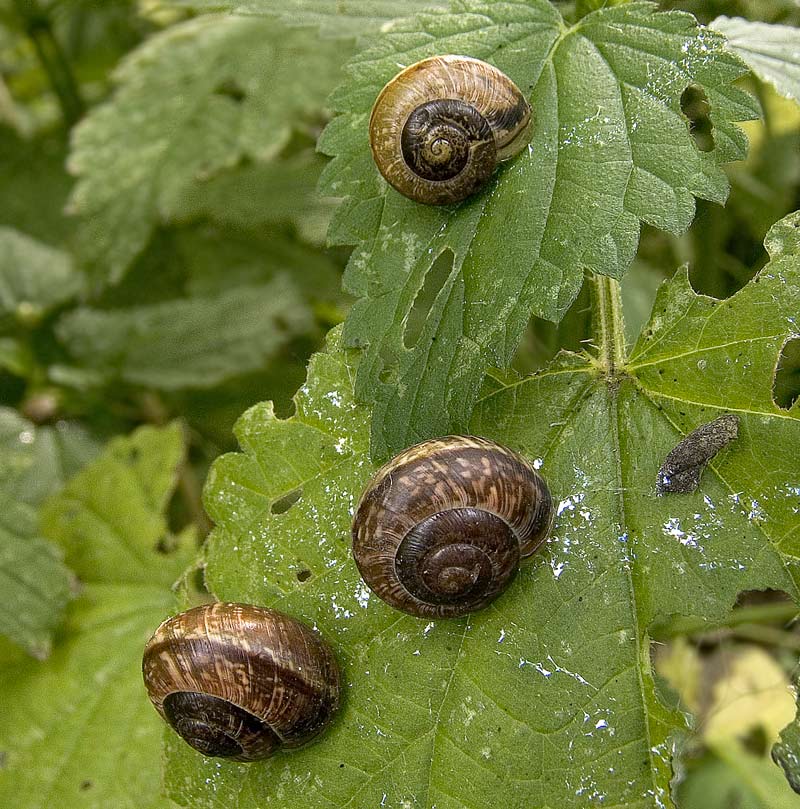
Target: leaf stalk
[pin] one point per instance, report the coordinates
(52, 58)
(608, 323)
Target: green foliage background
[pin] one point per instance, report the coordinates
(188, 207)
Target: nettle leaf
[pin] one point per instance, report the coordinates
(191, 101)
(772, 51)
(610, 148)
(338, 18)
(547, 697)
(251, 257)
(34, 277)
(82, 728)
(277, 192)
(35, 583)
(786, 752)
(195, 342)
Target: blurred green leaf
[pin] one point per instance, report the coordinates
(253, 256)
(33, 579)
(771, 51)
(196, 342)
(34, 462)
(547, 698)
(611, 147)
(34, 186)
(110, 517)
(191, 101)
(732, 777)
(34, 277)
(639, 288)
(339, 18)
(81, 731)
(281, 191)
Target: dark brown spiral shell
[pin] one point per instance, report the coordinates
(441, 528)
(441, 126)
(239, 681)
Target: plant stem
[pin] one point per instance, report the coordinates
(52, 58)
(608, 324)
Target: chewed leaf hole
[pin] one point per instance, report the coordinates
(696, 108)
(435, 279)
(283, 504)
(304, 574)
(786, 385)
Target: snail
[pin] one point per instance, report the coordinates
(440, 127)
(239, 681)
(441, 528)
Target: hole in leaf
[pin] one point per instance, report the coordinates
(786, 385)
(86, 785)
(230, 89)
(389, 361)
(283, 504)
(435, 279)
(695, 106)
(304, 574)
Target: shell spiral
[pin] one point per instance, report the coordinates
(441, 528)
(240, 681)
(440, 127)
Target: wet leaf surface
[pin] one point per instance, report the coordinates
(610, 148)
(547, 697)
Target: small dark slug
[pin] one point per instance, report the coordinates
(681, 470)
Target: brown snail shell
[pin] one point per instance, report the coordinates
(240, 681)
(441, 528)
(440, 127)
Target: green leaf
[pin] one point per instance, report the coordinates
(610, 148)
(33, 579)
(197, 342)
(251, 257)
(281, 191)
(109, 518)
(771, 51)
(191, 101)
(34, 186)
(786, 752)
(546, 698)
(734, 777)
(34, 277)
(80, 731)
(339, 18)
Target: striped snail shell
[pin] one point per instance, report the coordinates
(239, 681)
(441, 528)
(440, 127)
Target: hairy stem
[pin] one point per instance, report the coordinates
(608, 324)
(52, 58)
